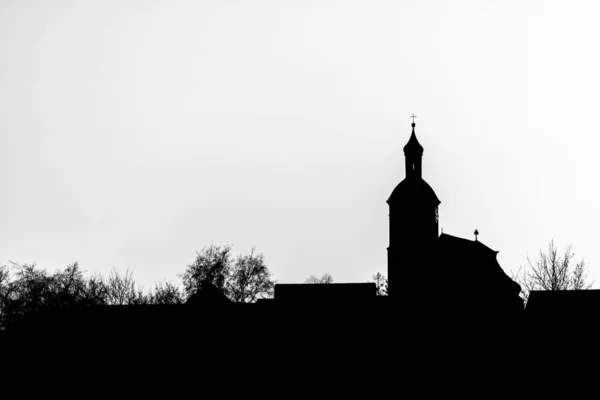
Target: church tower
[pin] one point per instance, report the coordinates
(413, 224)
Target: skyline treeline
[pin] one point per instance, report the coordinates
(26, 289)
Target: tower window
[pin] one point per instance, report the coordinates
(413, 166)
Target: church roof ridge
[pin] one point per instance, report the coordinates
(471, 242)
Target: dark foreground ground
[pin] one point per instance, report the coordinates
(256, 349)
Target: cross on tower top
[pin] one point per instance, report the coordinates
(413, 117)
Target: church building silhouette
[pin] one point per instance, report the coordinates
(460, 274)
(426, 271)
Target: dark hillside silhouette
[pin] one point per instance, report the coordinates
(445, 297)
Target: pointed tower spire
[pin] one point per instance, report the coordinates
(413, 151)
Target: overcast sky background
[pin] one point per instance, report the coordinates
(133, 133)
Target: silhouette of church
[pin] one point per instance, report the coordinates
(458, 273)
(426, 271)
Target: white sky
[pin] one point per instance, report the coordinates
(133, 133)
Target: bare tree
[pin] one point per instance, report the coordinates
(68, 286)
(166, 293)
(552, 272)
(325, 278)
(249, 279)
(381, 284)
(245, 280)
(211, 265)
(32, 290)
(25, 289)
(5, 292)
(96, 291)
(121, 290)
